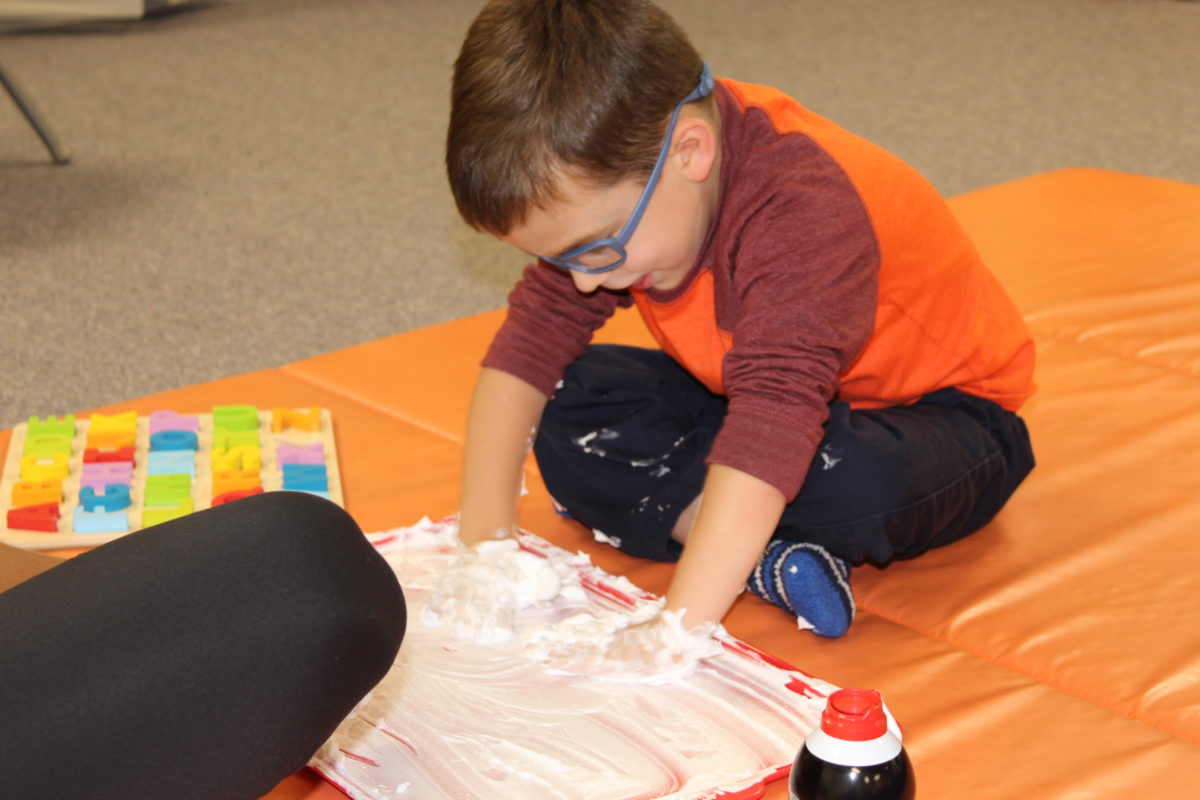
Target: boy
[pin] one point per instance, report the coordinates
(839, 372)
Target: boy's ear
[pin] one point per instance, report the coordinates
(696, 146)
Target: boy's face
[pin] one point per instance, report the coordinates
(662, 249)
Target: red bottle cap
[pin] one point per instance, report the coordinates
(854, 715)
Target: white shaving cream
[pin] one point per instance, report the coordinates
(506, 686)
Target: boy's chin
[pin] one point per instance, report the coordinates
(644, 282)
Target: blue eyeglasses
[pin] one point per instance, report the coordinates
(605, 255)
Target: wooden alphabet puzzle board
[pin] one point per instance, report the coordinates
(81, 481)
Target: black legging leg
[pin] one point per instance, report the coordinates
(206, 658)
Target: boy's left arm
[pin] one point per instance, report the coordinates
(738, 513)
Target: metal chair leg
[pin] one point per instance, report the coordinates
(58, 152)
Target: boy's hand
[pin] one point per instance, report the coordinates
(645, 647)
(738, 513)
(473, 536)
(657, 650)
(503, 418)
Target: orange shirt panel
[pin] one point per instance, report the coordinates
(942, 318)
(690, 323)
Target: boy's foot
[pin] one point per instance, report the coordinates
(809, 582)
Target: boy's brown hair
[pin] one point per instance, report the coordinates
(544, 88)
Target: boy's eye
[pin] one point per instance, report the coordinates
(598, 257)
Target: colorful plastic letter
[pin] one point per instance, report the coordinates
(304, 420)
(109, 439)
(115, 498)
(235, 418)
(171, 462)
(167, 490)
(125, 420)
(57, 466)
(117, 430)
(233, 480)
(300, 453)
(51, 426)
(46, 445)
(42, 517)
(170, 421)
(237, 458)
(302, 477)
(100, 521)
(174, 440)
(229, 497)
(155, 516)
(36, 493)
(227, 440)
(97, 456)
(102, 474)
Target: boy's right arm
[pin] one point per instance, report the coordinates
(503, 419)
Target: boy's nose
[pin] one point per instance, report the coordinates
(588, 283)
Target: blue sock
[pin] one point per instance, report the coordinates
(809, 582)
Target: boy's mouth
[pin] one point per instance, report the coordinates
(643, 283)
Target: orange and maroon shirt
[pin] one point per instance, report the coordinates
(832, 270)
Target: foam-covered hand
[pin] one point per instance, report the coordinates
(653, 650)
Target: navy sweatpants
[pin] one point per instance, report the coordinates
(206, 658)
(623, 441)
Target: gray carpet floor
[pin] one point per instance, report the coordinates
(256, 182)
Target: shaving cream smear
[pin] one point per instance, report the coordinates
(508, 685)
(505, 591)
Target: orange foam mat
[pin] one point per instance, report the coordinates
(964, 715)
(445, 357)
(423, 377)
(1060, 237)
(966, 718)
(1079, 580)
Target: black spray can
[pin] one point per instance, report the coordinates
(856, 753)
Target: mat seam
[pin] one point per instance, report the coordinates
(374, 406)
(1054, 336)
(895, 620)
